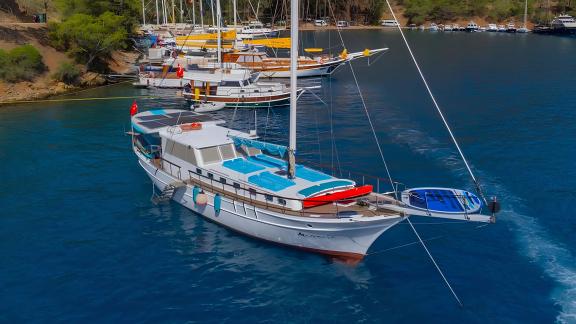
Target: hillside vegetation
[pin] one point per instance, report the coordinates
(419, 11)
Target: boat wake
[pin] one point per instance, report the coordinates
(556, 261)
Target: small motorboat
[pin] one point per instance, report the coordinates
(492, 28)
(501, 28)
(472, 27)
(207, 107)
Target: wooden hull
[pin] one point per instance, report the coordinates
(246, 102)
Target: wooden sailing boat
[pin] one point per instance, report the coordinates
(257, 188)
(524, 28)
(308, 66)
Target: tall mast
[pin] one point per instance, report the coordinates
(234, 6)
(201, 15)
(173, 13)
(164, 13)
(525, 12)
(181, 13)
(212, 12)
(143, 13)
(157, 14)
(293, 85)
(218, 22)
(193, 15)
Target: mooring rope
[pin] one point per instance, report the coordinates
(76, 99)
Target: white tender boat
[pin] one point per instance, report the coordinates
(492, 28)
(256, 29)
(205, 107)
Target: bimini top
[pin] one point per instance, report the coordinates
(220, 75)
(152, 121)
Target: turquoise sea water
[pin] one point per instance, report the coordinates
(80, 240)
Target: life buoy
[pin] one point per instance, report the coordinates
(191, 126)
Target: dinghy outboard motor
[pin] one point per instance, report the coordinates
(494, 207)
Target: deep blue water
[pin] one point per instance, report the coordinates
(80, 240)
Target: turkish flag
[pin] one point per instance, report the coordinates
(134, 108)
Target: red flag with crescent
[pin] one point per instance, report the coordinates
(134, 108)
(180, 72)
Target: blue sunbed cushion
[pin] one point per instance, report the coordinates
(325, 186)
(268, 161)
(435, 199)
(242, 166)
(301, 171)
(310, 175)
(270, 181)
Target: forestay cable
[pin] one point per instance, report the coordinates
(436, 103)
(435, 264)
(366, 110)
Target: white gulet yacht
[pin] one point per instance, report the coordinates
(257, 189)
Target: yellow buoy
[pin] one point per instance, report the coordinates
(344, 54)
(366, 52)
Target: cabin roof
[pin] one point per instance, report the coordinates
(151, 121)
(218, 75)
(209, 135)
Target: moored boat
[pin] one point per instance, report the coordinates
(235, 88)
(308, 66)
(472, 27)
(492, 28)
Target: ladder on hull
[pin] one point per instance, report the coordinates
(167, 193)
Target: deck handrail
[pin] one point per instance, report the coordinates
(249, 192)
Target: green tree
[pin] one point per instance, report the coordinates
(67, 73)
(89, 39)
(21, 63)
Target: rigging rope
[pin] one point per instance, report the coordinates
(434, 262)
(366, 109)
(478, 188)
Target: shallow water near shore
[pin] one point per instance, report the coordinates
(80, 240)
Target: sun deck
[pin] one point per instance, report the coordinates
(233, 163)
(269, 174)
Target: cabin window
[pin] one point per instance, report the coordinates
(210, 175)
(210, 154)
(236, 185)
(223, 180)
(230, 84)
(282, 201)
(227, 152)
(198, 170)
(181, 151)
(269, 197)
(252, 191)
